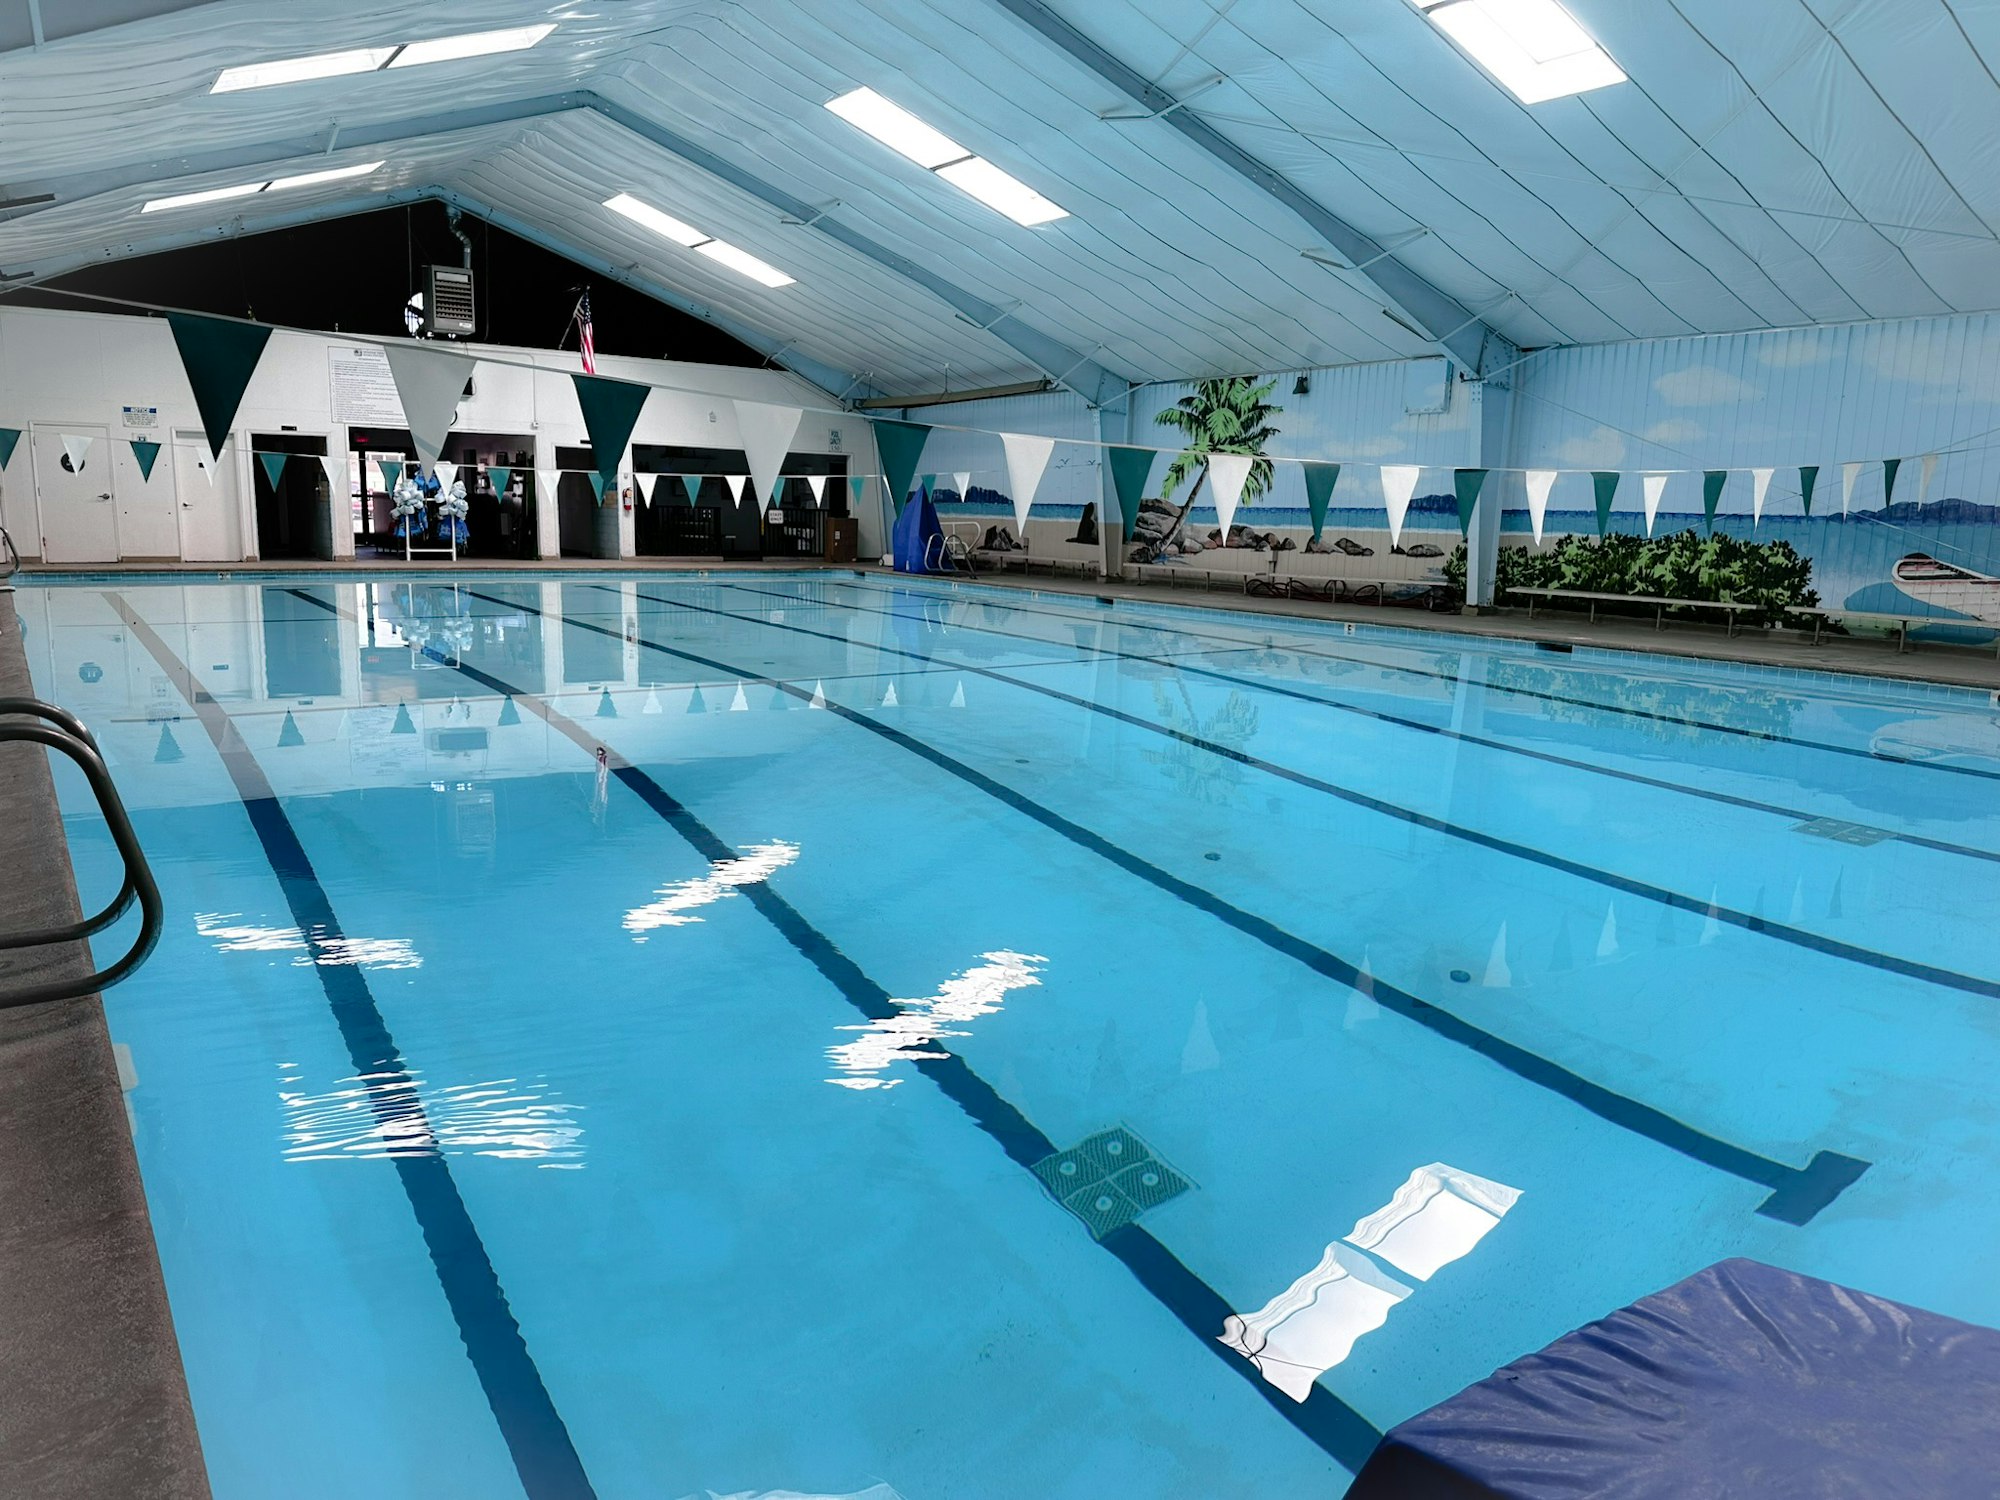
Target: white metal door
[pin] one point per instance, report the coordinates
(211, 506)
(75, 494)
(148, 524)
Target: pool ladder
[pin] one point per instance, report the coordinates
(36, 722)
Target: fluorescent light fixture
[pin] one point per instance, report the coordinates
(743, 263)
(1534, 47)
(898, 129)
(668, 227)
(332, 174)
(996, 189)
(665, 225)
(299, 69)
(207, 195)
(472, 44)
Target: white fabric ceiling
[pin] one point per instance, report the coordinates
(1770, 163)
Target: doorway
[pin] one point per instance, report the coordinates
(78, 513)
(585, 526)
(293, 499)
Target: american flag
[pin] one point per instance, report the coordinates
(585, 334)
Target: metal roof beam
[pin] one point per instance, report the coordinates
(1435, 314)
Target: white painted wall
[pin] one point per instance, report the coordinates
(69, 367)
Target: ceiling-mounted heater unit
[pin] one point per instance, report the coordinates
(448, 306)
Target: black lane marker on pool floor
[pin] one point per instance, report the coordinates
(1750, 804)
(1800, 937)
(536, 1436)
(1330, 1423)
(1520, 692)
(1797, 1193)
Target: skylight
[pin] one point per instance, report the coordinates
(668, 227)
(898, 129)
(269, 185)
(369, 59)
(1534, 47)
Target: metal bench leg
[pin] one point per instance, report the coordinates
(1902, 636)
(1660, 617)
(1732, 624)
(1819, 624)
(1593, 611)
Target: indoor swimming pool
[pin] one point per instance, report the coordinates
(654, 1035)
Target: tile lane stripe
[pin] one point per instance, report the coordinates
(536, 1436)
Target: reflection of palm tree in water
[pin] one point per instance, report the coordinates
(1199, 773)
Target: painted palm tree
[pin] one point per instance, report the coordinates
(1219, 416)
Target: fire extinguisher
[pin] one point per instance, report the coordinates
(625, 495)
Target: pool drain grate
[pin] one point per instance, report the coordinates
(1109, 1180)
(1842, 833)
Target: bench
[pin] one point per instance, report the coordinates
(1821, 613)
(1660, 602)
(1331, 589)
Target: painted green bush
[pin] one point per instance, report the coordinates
(1685, 565)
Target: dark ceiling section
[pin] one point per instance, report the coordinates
(354, 275)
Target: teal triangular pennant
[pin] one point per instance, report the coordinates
(901, 444)
(691, 487)
(146, 453)
(1808, 477)
(598, 480)
(1889, 468)
(1466, 484)
(857, 486)
(509, 714)
(169, 749)
(392, 470)
(274, 466)
(930, 486)
(288, 733)
(610, 411)
(220, 357)
(1129, 468)
(697, 704)
(1712, 481)
(1320, 480)
(9, 436)
(606, 709)
(1604, 484)
(403, 725)
(499, 476)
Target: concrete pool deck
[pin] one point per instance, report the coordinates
(98, 1404)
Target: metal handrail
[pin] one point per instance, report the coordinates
(56, 734)
(63, 719)
(10, 561)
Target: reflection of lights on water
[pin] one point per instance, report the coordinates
(908, 1035)
(378, 1115)
(231, 934)
(675, 902)
(1438, 1215)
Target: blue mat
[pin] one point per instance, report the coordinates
(1743, 1380)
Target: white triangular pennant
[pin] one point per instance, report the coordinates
(889, 699)
(819, 695)
(1848, 474)
(445, 472)
(430, 382)
(766, 432)
(1027, 461)
(335, 465)
(1227, 474)
(1760, 486)
(1540, 482)
(207, 467)
(736, 483)
(1399, 483)
(741, 702)
(549, 482)
(1925, 475)
(958, 695)
(963, 479)
(652, 701)
(817, 484)
(1654, 485)
(76, 447)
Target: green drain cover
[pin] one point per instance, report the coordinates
(1109, 1179)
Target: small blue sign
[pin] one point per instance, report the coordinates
(90, 671)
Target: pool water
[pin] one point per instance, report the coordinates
(828, 1035)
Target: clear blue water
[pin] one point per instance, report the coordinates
(511, 1127)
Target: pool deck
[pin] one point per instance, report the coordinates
(98, 1404)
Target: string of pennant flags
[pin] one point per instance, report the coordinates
(220, 355)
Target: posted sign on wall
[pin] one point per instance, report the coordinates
(363, 390)
(143, 418)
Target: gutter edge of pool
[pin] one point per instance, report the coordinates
(99, 1401)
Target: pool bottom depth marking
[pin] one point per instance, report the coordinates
(1797, 1193)
(538, 1440)
(1336, 1428)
